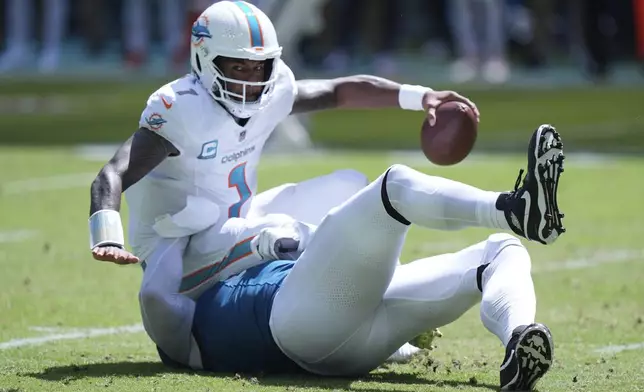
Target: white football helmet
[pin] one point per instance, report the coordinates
(239, 30)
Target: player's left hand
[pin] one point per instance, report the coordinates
(114, 254)
(433, 99)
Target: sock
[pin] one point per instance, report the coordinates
(439, 203)
(508, 293)
(488, 213)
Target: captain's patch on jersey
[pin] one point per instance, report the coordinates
(209, 150)
(155, 121)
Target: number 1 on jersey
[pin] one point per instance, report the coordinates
(237, 179)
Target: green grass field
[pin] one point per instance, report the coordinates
(589, 285)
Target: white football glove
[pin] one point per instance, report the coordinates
(278, 243)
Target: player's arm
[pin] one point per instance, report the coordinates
(370, 92)
(141, 153)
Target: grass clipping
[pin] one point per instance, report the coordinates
(425, 342)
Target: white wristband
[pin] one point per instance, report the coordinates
(105, 228)
(410, 96)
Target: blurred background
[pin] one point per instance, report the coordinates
(75, 76)
(79, 71)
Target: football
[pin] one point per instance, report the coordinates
(453, 136)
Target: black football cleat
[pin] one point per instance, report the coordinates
(531, 209)
(528, 357)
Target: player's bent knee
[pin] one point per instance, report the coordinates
(497, 242)
(149, 297)
(352, 178)
(159, 309)
(398, 177)
(502, 252)
(153, 297)
(398, 169)
(403, 174)
(504, 239)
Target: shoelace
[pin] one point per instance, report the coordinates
(518, 181)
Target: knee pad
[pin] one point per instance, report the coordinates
(493, 246)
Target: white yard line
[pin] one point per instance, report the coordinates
(596, 259)
(599, 258)
(65, 181)
(50, 330)
(16, 235)
(95, 152)
(614, 349)
(72, 335)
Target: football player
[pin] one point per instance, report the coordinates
(346, 305)
(189, 172)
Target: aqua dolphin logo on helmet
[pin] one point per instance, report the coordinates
(237, 30)
(200, 30)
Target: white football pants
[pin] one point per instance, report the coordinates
(346, 306)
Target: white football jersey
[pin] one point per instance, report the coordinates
(215, 176)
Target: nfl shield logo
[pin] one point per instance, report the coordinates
(242, 136)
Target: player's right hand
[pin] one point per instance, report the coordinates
(276, 243)
(433, 99)
(114, 254)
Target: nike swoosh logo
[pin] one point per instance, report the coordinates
(508, 361)
(167, 104)
(526, 197)
(515, 221)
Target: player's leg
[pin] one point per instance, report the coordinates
(348, 264)
(225, 249)
(167, 314)
(309, 200)
(409, 308)
(341, 276)
(530, 210)
(435, 291)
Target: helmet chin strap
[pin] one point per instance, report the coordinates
(238, 104)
